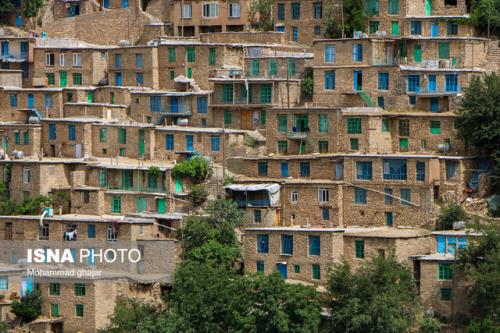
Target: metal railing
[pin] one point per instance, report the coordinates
(136, 188)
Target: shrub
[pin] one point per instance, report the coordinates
(196, 169)
(199, 194)
(29, 307)
(450, 213)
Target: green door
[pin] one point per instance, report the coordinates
(403, 144)
(127, 179)
(417, 53)
(63, 78)
(178, 185)
(141, 143)
(90, 97)
(301, 123)
(5, 143)
(161, 205)
(395, 28)
(428, 7)
(140, 204)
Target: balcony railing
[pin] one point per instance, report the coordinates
(14, 57)
(297, 135)
(136, 188)
(253, 203)
(395, 176)
(241, 101)
(437, 91)
(181, 109)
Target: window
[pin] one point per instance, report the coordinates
(357, 52)
(420, 167)
(52, 131)
(360, 196)
(405, 196)
(354, 143)
(54, 289)
(49, 59)
(451, 83)
(202, 104)
(388, 196)
(451, 169)
(374, 26)
(254, 67)
(386, 125)
(155, 104)
(329, 78)
(282, 123)
(296, 269)
(266, 94)
(262, 243)
(4, 283)
(316, 272)
(190, 54)
(413, 83)
(169, 142)
(103, 134)
(359, 248)
(323, 195)
(372, 7)
(79, 289)
(318, 10)
(71, 132)
(282, 146)
(17, 137)
(139, 79)
(445, 271)
(286, 245)
(272, 67)
(435, 127)
(404, 127)
(444, 50)
(295, 10)
(54, 310)
(330, 53)
(211, 56)
(281, 12)
(262, 168)
(394, 169)
(215, 143)
(118, 61)
(353, 125)
(77, 79)
(393, 7)
(79, 310)
(325, 214)
(234, 9)
(260, 266)
(227, 117)
(13, 100)
(211, 10)
(26, 175)
(77, 60)
(257, 216)
(295, 34)
(227, 93)
(305, 169)
(317, 30)
(122, 136)
(363, 170)
(47, 101)
(292, 67)
(389, 219)
(323, 123)
(116, 204)
(187, 11)
(91, 231)
(294, 196)
(62, 60)
(452, 28)
(416, 27)
(383, 81)
(446, 294)
(323, 147)
(171, 54)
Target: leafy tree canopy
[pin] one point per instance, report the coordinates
(486, 13)
(450, 213)
(29, 307)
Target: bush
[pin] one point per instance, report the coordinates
(29, 307)
(199, 194)
(196, 169)
(429, 325)
(450, 213)
(307, 84)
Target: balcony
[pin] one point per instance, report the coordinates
(179, 110)
(14, 57)
(136, 188)
(253, 203)
(425, 92)
(297, 135)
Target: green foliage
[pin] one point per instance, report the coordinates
(6, 6)
(216, 254)
(480, 261)
(479, 119)
(484, 11)
(483, 326)
(32, 206)
(450, 213)
(3, 327)
(380, 296)
(307, 84)
(199, 194)
(196, 169)
(429, 325)
(228, 180)
(29, 307)
(250, 141)
(331, 28)
(32, 7)
(261, 13)
(154, 170)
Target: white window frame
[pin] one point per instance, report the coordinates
(231, 9)
(47, 59)
(212, 9)
(26, 175)
(323, 195)
(111, 235)
(62, 60)
(187, 10)
(77, 60)
(294, 197)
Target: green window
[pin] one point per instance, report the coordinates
(446, 294)
(359, 249)
(323, 123)
(26, 137)
(189, 72)
(141, 204)
(445, 271)
(171, 54)
(90, 97)
(272, 67)
(354, 143)
(260, 266)
(323, 146)
(79, 289)
(266, 95)
(403, 144)
(103, 178)
(292, 67)
(103, 134)
(282, 123)
(227, 93)
(77, 79)
(122, 152)
(116, 204)
(395, 28)
(353, 125)
(54, 310)
(190, 57)
(316, 272)
(393, 7)
(171, 74)
(444, 50)
(55, 289)
(373, 26)
(79, 310)
(386, 125)
(296, 269)
(435, 127)
(254, 67)
(263, 117)
(17, 137)
(122, 136)
(51, 79)
(227, 117)
(211, 56)
(417, 53)
(282, 146)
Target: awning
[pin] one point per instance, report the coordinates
(271, 188)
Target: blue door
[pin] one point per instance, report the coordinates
(435, 104)
(432, 83)
(189, 143)
(31, 101)
(282, 269)
(105, 3)
(358, 81)
(174, 104)
(284, 169)
(24, 50)
(5, 49)
(295, 34)
(19, 20)
(434, 29)
(118, 79)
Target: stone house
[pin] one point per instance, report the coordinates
(25, 138)
(17, 54)
(133, 66)
(22, 103)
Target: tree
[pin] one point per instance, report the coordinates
(32, 7)
(29, 307)
(355, 18)
(331, 27)
(307, 84)
(261, 13)
(381, 296)
(478, 119)
(196, 169)
(485, 16)
(450, 213)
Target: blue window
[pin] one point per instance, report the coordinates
(280, 29)
(295, 10)
(317, 30)
(286, 245)
(326, 214)
(281, 12)
(405, 196)
(124, 3)
(91, 231)
(262, 168)
(47, 99)
(52, 131)
(189, 142)
(295, 34)
(360, 196)
(413, 83)
(13, 100)
(284, 169)
(260, 266)
(451, 169)
(305, 169)
(451, 83)
(5, 49)
(201, 104)
(329, 80)
(71, 132)
(139, 78)
(138, 61)
(412, 100)
(330, 53)
(383, 81)
(357, 52)
(262, 243)
(215, 143)
(169, 142)
(257, 216)
(389, 219)
(118, 79)
(4, 283)
(314, 245)
(432, 83)
(394, 169)
(381, 102)
(441, 244)
(155, 103)
(31, 101)
(416, 27)
(364, 170)
(420, 166)
(118, 61)
(388, 196)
